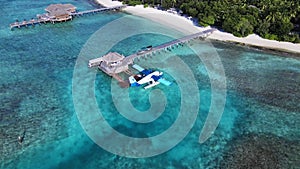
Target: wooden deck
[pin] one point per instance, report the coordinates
(44, 18)
(129, 59)
(93, 11)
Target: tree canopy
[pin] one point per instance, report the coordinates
(272, 19)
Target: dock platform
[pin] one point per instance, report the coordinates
(45, 18)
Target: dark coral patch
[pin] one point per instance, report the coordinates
(260, 152)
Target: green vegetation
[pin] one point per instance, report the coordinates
(132, 2)
(271, 19)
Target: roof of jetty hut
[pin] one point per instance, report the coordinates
(60, 9)
(112, 57)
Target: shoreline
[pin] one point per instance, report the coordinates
(186, 26)
(280, 52)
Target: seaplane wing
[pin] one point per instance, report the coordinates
(138, 68)
(164, 82)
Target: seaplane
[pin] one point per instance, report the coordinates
(147, 77)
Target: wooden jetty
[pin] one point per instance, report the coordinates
(59, 13)
(93, 11)
(114, 63)
(129, 59)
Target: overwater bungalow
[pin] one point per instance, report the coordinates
(66, 7)
(60, 12)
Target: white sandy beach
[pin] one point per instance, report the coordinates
(186, 26)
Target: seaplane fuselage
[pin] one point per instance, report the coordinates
(151, 79)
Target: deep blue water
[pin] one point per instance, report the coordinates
(259, 126)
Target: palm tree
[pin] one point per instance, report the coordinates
(174, 2)
(273, 15)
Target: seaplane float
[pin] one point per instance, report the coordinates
(147, 78)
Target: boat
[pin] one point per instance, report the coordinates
(144, 49)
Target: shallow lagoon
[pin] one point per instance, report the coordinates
(260, 118)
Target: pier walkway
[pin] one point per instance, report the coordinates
(45, 18)
(125, 61)
(98, 10)
(114, 63)
(129, 59)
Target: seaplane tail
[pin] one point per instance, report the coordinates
(133, 82)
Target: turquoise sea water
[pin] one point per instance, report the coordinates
(259, 127)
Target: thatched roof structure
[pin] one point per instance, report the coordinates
(60, 9)
(110, 63)
(112, 57)
(66, 7)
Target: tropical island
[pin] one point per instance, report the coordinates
(274, 20)
(265, 24)
(52, 103)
